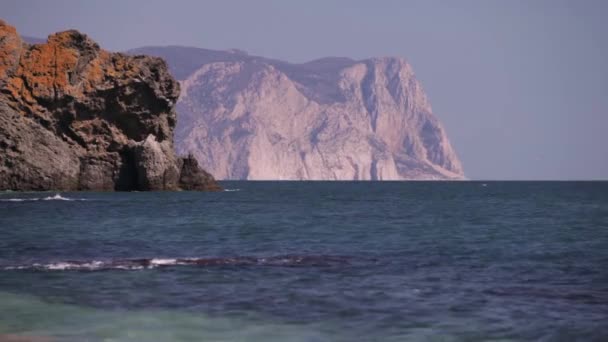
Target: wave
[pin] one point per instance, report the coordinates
(56, 197)
(150, 263)
(232, 190)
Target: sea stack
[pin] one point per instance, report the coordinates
(76, 117)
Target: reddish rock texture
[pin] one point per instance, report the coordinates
(75, 117)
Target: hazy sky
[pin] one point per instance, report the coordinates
(521, 86)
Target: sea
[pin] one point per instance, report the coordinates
(308, 261)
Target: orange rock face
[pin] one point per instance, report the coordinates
(10, 50)
(73, 116)
(71, 68)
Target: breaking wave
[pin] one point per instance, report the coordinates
(232, 190)
(56, 197)
(149, 263)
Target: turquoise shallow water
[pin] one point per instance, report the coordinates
(312, 261)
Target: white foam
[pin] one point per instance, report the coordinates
(9, 268)
(138, 264)
(95, 265)
(56, 197)
(163, 262)
(128, 267)
(60, 266)
(232, 190)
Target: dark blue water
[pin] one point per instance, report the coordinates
(312, 261)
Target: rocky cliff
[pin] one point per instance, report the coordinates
(248, 117)
(76, 117)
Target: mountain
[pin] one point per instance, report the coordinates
(76, 117)
(249, 117)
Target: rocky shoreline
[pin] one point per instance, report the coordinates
(76, 117)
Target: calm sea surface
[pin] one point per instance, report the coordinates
(309, 261)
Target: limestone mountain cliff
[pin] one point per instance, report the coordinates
(248, 117)
(76, 117)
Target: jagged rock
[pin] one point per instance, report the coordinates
(192, 177)
(157, 167)
(76, 117)
(248, 117)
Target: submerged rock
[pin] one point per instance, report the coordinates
(76, 117)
